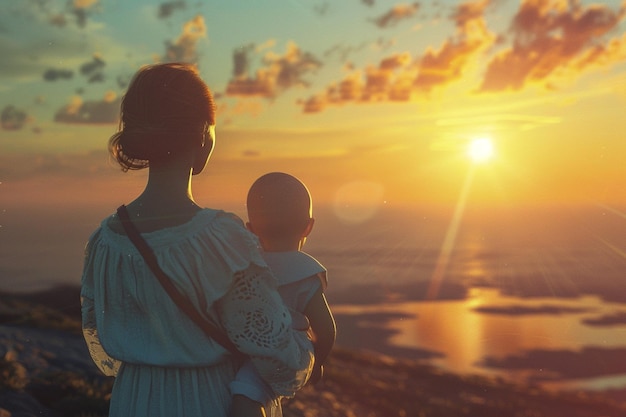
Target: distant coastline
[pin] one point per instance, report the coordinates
(48, 372)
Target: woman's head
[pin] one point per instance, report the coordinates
(167, 110)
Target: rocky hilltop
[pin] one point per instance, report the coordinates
(45, 370)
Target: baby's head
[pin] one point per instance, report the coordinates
(167, 110)
(279, 211)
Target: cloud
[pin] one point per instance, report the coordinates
(241, 61)
(387, 81)
(401, 77)
(27, 56)
(268, 44)
(184, 48)
(321, 9)
(277, 73)
(396, 14)
(251, 153)
(379, 81)
(81, 10)
(441, 66)
(615, 319)
(58, 20)
(549, 39)
(94, 65)
(292, 66)
(168, 8)
(603, 54)
(226, 110)
(93, 69)
(13, 118)
(343, 51)
(53, 74)
(78, 111)
(375, 83)
(123, 81)
(314, 104)
(15, 167)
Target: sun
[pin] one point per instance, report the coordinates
(480, 150)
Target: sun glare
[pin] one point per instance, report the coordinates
(480, 150)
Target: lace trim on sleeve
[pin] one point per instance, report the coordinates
(259, 324)
(103, 361)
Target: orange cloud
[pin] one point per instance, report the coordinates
(278, 73)
(379, 80)
(110, 96)
(602, 55)
(260, 86)
(373, 84)
(442, 66)
(184, 48)
(395, 61)
(78, 111)
(349, 89)
(549, 36)
(314, 104)
(85, 4)
(399, 77)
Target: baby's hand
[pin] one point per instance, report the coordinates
(299, 321)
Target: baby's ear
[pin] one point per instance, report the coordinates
(309, 227)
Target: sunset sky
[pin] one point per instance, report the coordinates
(454, 149)
(369, 101)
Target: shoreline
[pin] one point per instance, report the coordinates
(51, 374)
(376, 331)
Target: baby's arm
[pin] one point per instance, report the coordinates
(324, 330)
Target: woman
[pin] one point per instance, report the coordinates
(163, 363)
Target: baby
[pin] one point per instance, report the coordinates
(280, 214)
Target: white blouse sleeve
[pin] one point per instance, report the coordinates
(103, 361)
(257, 321)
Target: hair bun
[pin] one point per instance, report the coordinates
(165, 111)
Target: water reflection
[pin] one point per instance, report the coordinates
(489, 333)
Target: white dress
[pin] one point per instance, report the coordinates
(163, 363)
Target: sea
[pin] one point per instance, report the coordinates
(535, 294)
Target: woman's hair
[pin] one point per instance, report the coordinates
(167, 109)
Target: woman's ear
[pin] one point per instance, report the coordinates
(203, 153)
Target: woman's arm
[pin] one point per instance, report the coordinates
(103, 361)
(259, 324)
(107, 365)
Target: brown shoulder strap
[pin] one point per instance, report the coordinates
(181, 301)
